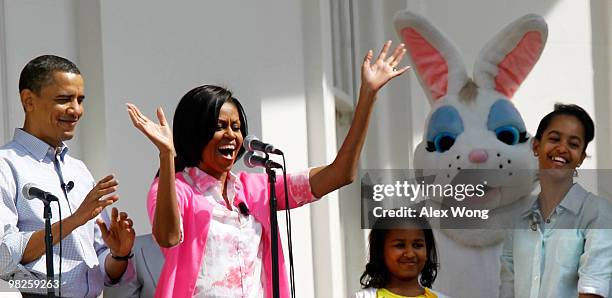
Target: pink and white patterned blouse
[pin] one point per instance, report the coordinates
(222, 252)
(232, 261)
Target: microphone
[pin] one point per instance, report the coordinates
(535, 221)
(252, 143)
(252, 160)
(68, 186)
(243, 208)
(30, 191)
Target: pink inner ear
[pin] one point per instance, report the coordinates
(515, 67)
(429, 62)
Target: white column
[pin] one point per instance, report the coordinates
(4, 109)
(33, 28)
(327, 245)
(93, 128)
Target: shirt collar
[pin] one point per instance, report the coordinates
(204, 181)
(37, 147)
(572, 201)
(531, 207)
(574, 198)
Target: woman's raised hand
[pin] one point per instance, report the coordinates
(377, 74)
(160, 134)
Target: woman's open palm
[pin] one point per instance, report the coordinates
(159, 133)
(374, 75)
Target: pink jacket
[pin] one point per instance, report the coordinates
(183, 261)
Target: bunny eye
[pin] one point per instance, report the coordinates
(506, 122)
(442, 142)
(445, 125)
(508, 134)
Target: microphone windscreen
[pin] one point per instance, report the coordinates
(247, 142)
(247, 159)
(26, 190)
(69, 186)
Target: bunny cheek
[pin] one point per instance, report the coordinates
(509, 168)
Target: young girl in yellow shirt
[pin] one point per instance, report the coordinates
(403, 260)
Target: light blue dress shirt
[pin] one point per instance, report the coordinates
(27, 159)
(568, 254)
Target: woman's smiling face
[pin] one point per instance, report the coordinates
(562, 145)
(221, 152)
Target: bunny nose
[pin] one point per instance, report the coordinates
(478, 156)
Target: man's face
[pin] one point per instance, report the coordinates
(53, 113)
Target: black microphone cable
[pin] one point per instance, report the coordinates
(288, 222)
(65, 188)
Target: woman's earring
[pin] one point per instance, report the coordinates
(576, 170)
(535, 154)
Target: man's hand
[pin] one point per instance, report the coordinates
(119, 237)
(93, 204)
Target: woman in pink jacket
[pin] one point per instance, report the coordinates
(213, 225)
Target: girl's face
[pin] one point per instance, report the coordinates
(221, 151)
(405, 253)
(562, 144)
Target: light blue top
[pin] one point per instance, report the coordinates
(568, 254)
(27, 159)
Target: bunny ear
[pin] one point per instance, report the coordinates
(504, 63)
(438, 64)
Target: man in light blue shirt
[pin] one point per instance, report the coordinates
(94, 254)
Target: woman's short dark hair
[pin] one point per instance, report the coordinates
(195, 122)
(570, 110)
(376, 274)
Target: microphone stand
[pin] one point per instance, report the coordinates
(49, 247)
(273, 230)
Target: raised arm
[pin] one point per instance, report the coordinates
(166, 221)
(374, 76)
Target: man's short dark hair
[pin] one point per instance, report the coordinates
(39, 71)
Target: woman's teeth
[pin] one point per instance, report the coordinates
(558, 159)
(227, 150)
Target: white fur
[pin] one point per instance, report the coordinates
(474, 254)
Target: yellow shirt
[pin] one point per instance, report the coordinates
(384, 293)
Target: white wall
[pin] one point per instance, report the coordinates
(33, 28)
(601, 11)
(4, 112)
(326, 241)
